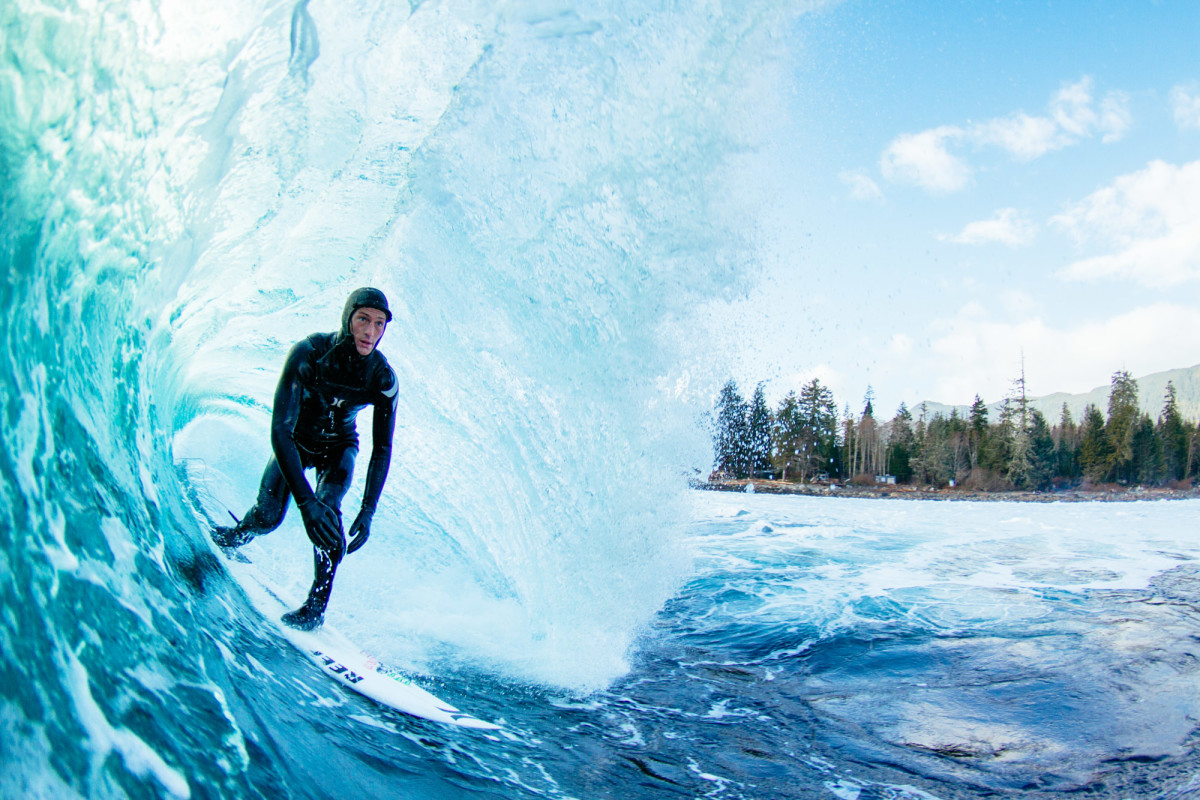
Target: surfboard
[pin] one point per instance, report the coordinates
(351, 666)
(332, 652)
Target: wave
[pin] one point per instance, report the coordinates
(540, 187)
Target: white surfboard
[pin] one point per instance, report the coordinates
(346, 663)
(352, 667)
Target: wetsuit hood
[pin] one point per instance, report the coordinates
(366, 297)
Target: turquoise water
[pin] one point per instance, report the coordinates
(550, 193)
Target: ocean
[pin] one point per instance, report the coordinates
(553, 195)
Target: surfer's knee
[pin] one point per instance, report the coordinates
(264, 517)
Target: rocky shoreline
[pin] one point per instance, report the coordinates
(1108, 493)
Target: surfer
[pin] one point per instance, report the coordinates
(328, 378)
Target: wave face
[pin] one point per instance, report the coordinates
(543, 190)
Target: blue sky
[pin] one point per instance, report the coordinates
(960, 186)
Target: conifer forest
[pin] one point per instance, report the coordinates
(804, 439)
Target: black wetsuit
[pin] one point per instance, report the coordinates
(324, 385)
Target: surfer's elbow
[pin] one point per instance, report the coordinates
(381, 453)
(281, 439)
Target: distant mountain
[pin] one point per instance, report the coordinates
(1152, 391)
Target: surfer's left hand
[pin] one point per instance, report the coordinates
(360, 530)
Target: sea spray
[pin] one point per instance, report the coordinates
(539, 191)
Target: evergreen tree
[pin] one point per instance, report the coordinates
(788, 434)
(1121, 426)
(997, 455)
(1020, 467)
(758, 434)
(901, 442)
(927, 464)
(819, 411)
(957, 448)
(731, 434)
(1173, 435)
(943, 452)
(806, 432)
(918, 459)
(1020, 450)
(978, 429)
(1095, 453)
(1041, 452)
(1193, 467)
(1066, 446)
(1147, 453)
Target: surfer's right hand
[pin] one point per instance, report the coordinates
(322, 524)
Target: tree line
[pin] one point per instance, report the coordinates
(805, 439)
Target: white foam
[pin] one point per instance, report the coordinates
(105, 738)
(962, 563)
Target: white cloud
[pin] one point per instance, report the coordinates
(861, 186)
(1023, 136)
(1185, 103)
(1072, 109)
(1115, 117)
(1008, 226)
(975, 353)
(923, 159)
(1150, 220)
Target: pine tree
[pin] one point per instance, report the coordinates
(1121, 426)
(1066, 446)
(1095, 452)
(901, 441)
(819, 412)
(788, 436)
(1193, 467)
(758, 434)
(957, 448)
(1173, 434)
(1019, 469)
(806, 432)
(1041, 452)
(920, 441)
(1020, 466)
(1147, 453)
(944, 451)
(731, 433)
(978, 429)
(998, 454)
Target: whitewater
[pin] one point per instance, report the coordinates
(554, 196)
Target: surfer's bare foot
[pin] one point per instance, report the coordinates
(303, 620)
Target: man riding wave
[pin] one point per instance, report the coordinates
(327, 379)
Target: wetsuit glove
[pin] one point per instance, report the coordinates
(361, 529)
(322, 524)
